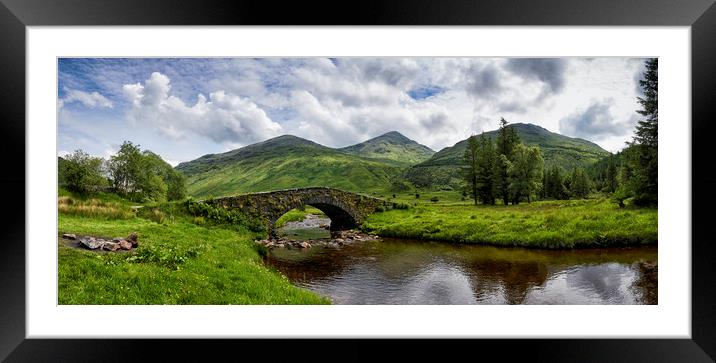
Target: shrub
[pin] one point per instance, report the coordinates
(434, 199)
(82, 173)
(220, 215)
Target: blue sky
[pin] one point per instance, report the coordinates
(183, 108)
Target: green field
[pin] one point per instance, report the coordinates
(544, 224)
(182, 260)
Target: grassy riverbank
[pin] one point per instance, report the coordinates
(544, 224)
(181, 259)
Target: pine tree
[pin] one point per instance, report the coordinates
(647, 132)
(506, 140)
(580, 185)
(470, 170)
(641, 156)
(485, 170)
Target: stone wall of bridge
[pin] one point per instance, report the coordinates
(345, 209)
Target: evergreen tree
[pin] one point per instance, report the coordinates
(554, 184)
(640, 179)
(610, 179)
(647, 132)
(580, 184)
(485, 170)
(506, 140)
(525, 172)
(470, 170)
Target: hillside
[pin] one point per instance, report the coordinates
(284, 162)
(392, 146)
(441, 169)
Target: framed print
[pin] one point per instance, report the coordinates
(476, 171)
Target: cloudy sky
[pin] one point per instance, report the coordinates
(187, 107)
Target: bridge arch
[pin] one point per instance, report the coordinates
(345, 209)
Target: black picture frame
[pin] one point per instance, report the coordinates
(16, 15)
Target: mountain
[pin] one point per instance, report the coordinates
(284, 162)
(441, 170)
(391, 146)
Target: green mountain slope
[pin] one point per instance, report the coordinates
(391, 146)
(441, 170)
(284, 162)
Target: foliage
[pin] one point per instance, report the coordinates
(524, 172)
(144, 176)
(579, 183)
(553, 187)
(639, 172)
(481, 169)
(506, 142)
(223, 216)
(442, 168)
(81, 173)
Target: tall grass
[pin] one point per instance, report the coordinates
(547, 224)
(94, 208)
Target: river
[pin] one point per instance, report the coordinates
(398, 271)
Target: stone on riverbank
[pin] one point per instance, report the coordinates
(115, 244)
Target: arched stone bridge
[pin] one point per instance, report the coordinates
(345, 209)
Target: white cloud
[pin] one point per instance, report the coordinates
(223, 117)
(92, 100)
(337, 102)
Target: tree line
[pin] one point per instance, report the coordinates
(509, 171)
(504, 170)
(132, 173)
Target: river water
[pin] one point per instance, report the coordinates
(392, 271)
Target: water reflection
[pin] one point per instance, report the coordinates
(416, 272)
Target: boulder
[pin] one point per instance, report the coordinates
(125, 245)
(110, 246)
(304, 244)
(69, 236)
(133, 239)
(91, 243)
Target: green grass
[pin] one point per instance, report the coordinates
(281, 163)
(545, 224)
(182, 260)
(297, 215)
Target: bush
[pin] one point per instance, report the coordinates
(220, 215)
(434, 199)
(82, 173)
(417, 196)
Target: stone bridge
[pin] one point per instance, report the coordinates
(345, 209)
